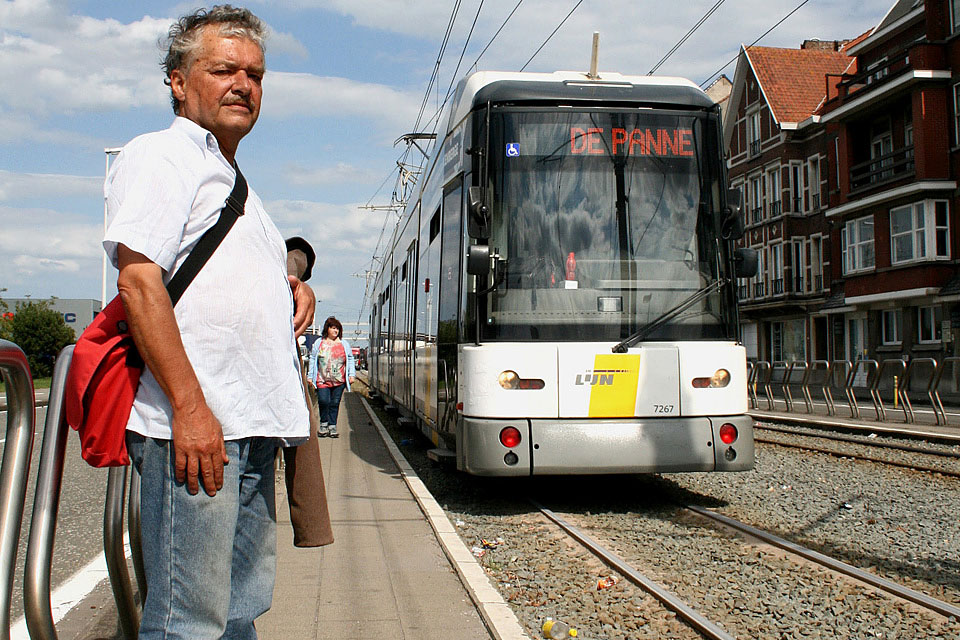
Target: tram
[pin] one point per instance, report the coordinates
(559, 296)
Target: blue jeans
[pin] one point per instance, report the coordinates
(210, 561)
(329, 400)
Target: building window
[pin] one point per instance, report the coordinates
(928, 325)
(796, 265)
(878, 70)
(954, 15)
(956, 108)
(776, 269)
(856, 237)
(815, 264)
(813, 184)
(753, 132)
(892, 320)
(775, 207)
(756, 200)
(919, 231)
(796, 187)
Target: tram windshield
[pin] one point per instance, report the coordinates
(602, 220)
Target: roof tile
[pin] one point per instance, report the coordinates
(793, 80)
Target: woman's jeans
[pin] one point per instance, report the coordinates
(210, 561)
(329, 400)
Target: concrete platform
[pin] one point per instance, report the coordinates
(386, 575)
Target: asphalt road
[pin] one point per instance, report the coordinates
(79, 534)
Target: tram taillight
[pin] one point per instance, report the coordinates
(510, 437)
(728, 433)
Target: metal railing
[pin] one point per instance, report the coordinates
(36, 593)
(894, 376)
(17, 449)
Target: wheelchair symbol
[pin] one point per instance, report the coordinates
(513, 149)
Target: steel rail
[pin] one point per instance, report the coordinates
(855, 440)
(844, 454)
(922, 599)
(46, 503)
(704, 626)
(17, 449)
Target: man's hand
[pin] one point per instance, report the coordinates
(198, 448)
(304, 305)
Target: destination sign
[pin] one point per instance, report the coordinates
(669, 143)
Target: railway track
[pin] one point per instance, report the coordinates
(717, 630)
(920, 458)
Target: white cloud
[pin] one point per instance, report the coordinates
(339, 233)
(45, 234)
(288, 94)
(339, 174)
(32, 185)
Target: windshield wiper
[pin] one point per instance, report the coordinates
(666, 316)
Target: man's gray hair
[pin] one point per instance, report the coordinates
(183, 39)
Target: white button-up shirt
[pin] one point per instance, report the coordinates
(164, 190)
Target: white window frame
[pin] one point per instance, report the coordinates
(754, 132)
(954, 16)
(854, 246)
(796, 186)
(776, 267)
(756, 197)
(797, 265)
(812, 179)
(928, 324)
(922, 233)
(774, 191)
(956, 109)
(891, 326)
(814, 262)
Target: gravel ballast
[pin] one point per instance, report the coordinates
(901, 523)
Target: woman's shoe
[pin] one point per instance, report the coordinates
(333, 433)
(323, 431)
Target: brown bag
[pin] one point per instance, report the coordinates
(306, 493)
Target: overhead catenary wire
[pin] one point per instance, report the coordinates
(686, 37)
(436, 66)
(540, 48)
(762, 36)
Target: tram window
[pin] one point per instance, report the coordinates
(435, 225)
(403, 277)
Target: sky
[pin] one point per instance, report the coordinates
(345, 79)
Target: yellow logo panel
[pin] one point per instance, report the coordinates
(613, 392)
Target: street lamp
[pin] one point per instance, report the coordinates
(108, 152)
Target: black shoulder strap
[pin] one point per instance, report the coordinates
(210, 240)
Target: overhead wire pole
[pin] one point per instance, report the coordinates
(762, 36)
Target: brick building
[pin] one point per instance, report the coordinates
(893, 143)
(777, 157)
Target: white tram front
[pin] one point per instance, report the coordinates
(560, 296)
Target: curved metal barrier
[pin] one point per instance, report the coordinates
(904, 387)
(808, 378)
(751, 385)
(779, 372)
(21, 416)
(46, 504)
(900, 367)
(796, 365)
(761, 375)
(951, 361)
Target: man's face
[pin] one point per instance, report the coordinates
(221, 88)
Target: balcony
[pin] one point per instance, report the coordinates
(777, 286)
(759, 289)
(818, 283)
(815, 202)
(895, 165)
(797, 284)
(776, 208)
(743, 291)
(756, 215)
(754, 148)
(796, 204)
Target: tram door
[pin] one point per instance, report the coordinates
(449, 308)
(409, 328)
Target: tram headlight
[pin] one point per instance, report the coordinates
(509, 379)
(718, 380)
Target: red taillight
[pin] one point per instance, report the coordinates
(728, 433)
(510, 437)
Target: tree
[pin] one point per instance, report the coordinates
(5, 318)
(41, 333)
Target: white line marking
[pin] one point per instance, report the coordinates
(73, 591)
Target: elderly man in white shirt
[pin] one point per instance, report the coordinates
(222, 388)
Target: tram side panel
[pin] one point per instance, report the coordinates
(425, 355)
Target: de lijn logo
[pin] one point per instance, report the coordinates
(598, 377)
